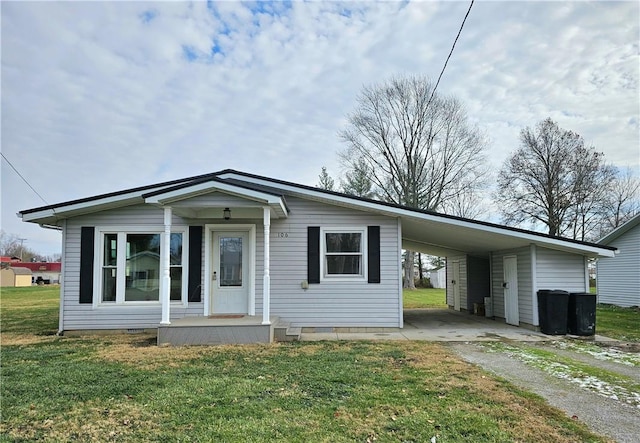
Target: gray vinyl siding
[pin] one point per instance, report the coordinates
(84, 316)
(618, 279)
(525, 300)
(331, 303)
(462, 260)
(328, 304)
(560, 270)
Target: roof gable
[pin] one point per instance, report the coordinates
(620, 230)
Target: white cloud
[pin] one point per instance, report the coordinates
(104, 96)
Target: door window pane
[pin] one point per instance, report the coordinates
(176, 283)
(230, 261)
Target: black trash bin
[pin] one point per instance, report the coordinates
(552, 311)
(581, 318)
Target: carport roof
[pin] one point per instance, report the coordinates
(422, 231)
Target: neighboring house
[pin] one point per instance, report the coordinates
(618, 278)
(46, 273)
(232, 243)
(438, 277)
(15, 276)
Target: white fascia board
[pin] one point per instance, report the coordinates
(83, 208)
(204, 188)
(401, 212)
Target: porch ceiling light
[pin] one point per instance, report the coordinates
(226, 213)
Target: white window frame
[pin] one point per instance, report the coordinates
(362, 230)
(122, 232)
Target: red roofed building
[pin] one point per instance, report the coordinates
(44, 272)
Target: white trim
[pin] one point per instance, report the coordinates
(121, 231)
(400, 293)
(204, 188)
(534, 284)
(62, 276)
(209, 229)
(165, 267)
(363, 253)
(587, 289)
(266, 280)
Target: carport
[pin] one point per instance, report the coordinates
(500, 267)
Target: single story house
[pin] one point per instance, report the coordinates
(618, 278)
(15, 276)
(237, 244)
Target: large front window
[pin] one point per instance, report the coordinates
(131, 267)
(343, 253)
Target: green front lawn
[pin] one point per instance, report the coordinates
(124, 388)
(424, 298)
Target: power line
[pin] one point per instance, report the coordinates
(23, 179)
(450, 52)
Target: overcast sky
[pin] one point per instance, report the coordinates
(99, 97)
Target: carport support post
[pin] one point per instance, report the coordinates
(266, 283)
(165, 265)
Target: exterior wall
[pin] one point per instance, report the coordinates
(438, 278)
(328, 304)
(618, 279)
(23, 280)
(85, 316)
(552, 269)
(525, 299)
(462, 260)
(560, 270)
(331, 303)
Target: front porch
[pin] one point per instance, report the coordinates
(225, 330)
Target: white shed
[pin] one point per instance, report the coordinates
(618, 278)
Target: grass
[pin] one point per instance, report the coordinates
(124, 388)
(424, 298)
(618, 323)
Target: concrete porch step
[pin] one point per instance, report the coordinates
(282, 331)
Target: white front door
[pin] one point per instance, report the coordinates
(231, 273)
(455, 282)
(510, 285)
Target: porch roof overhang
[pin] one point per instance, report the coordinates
(250, 207)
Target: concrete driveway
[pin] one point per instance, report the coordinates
(440, 325)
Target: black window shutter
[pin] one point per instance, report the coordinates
(313, 254)
(373, 253)
(195, 263)
(87, 234)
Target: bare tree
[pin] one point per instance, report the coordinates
(555, 180)
(622, 200)
(325, 180)
(417, 144)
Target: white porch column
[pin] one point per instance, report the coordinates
(165, 264)
(266, 282)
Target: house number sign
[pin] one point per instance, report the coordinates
(282, 235)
